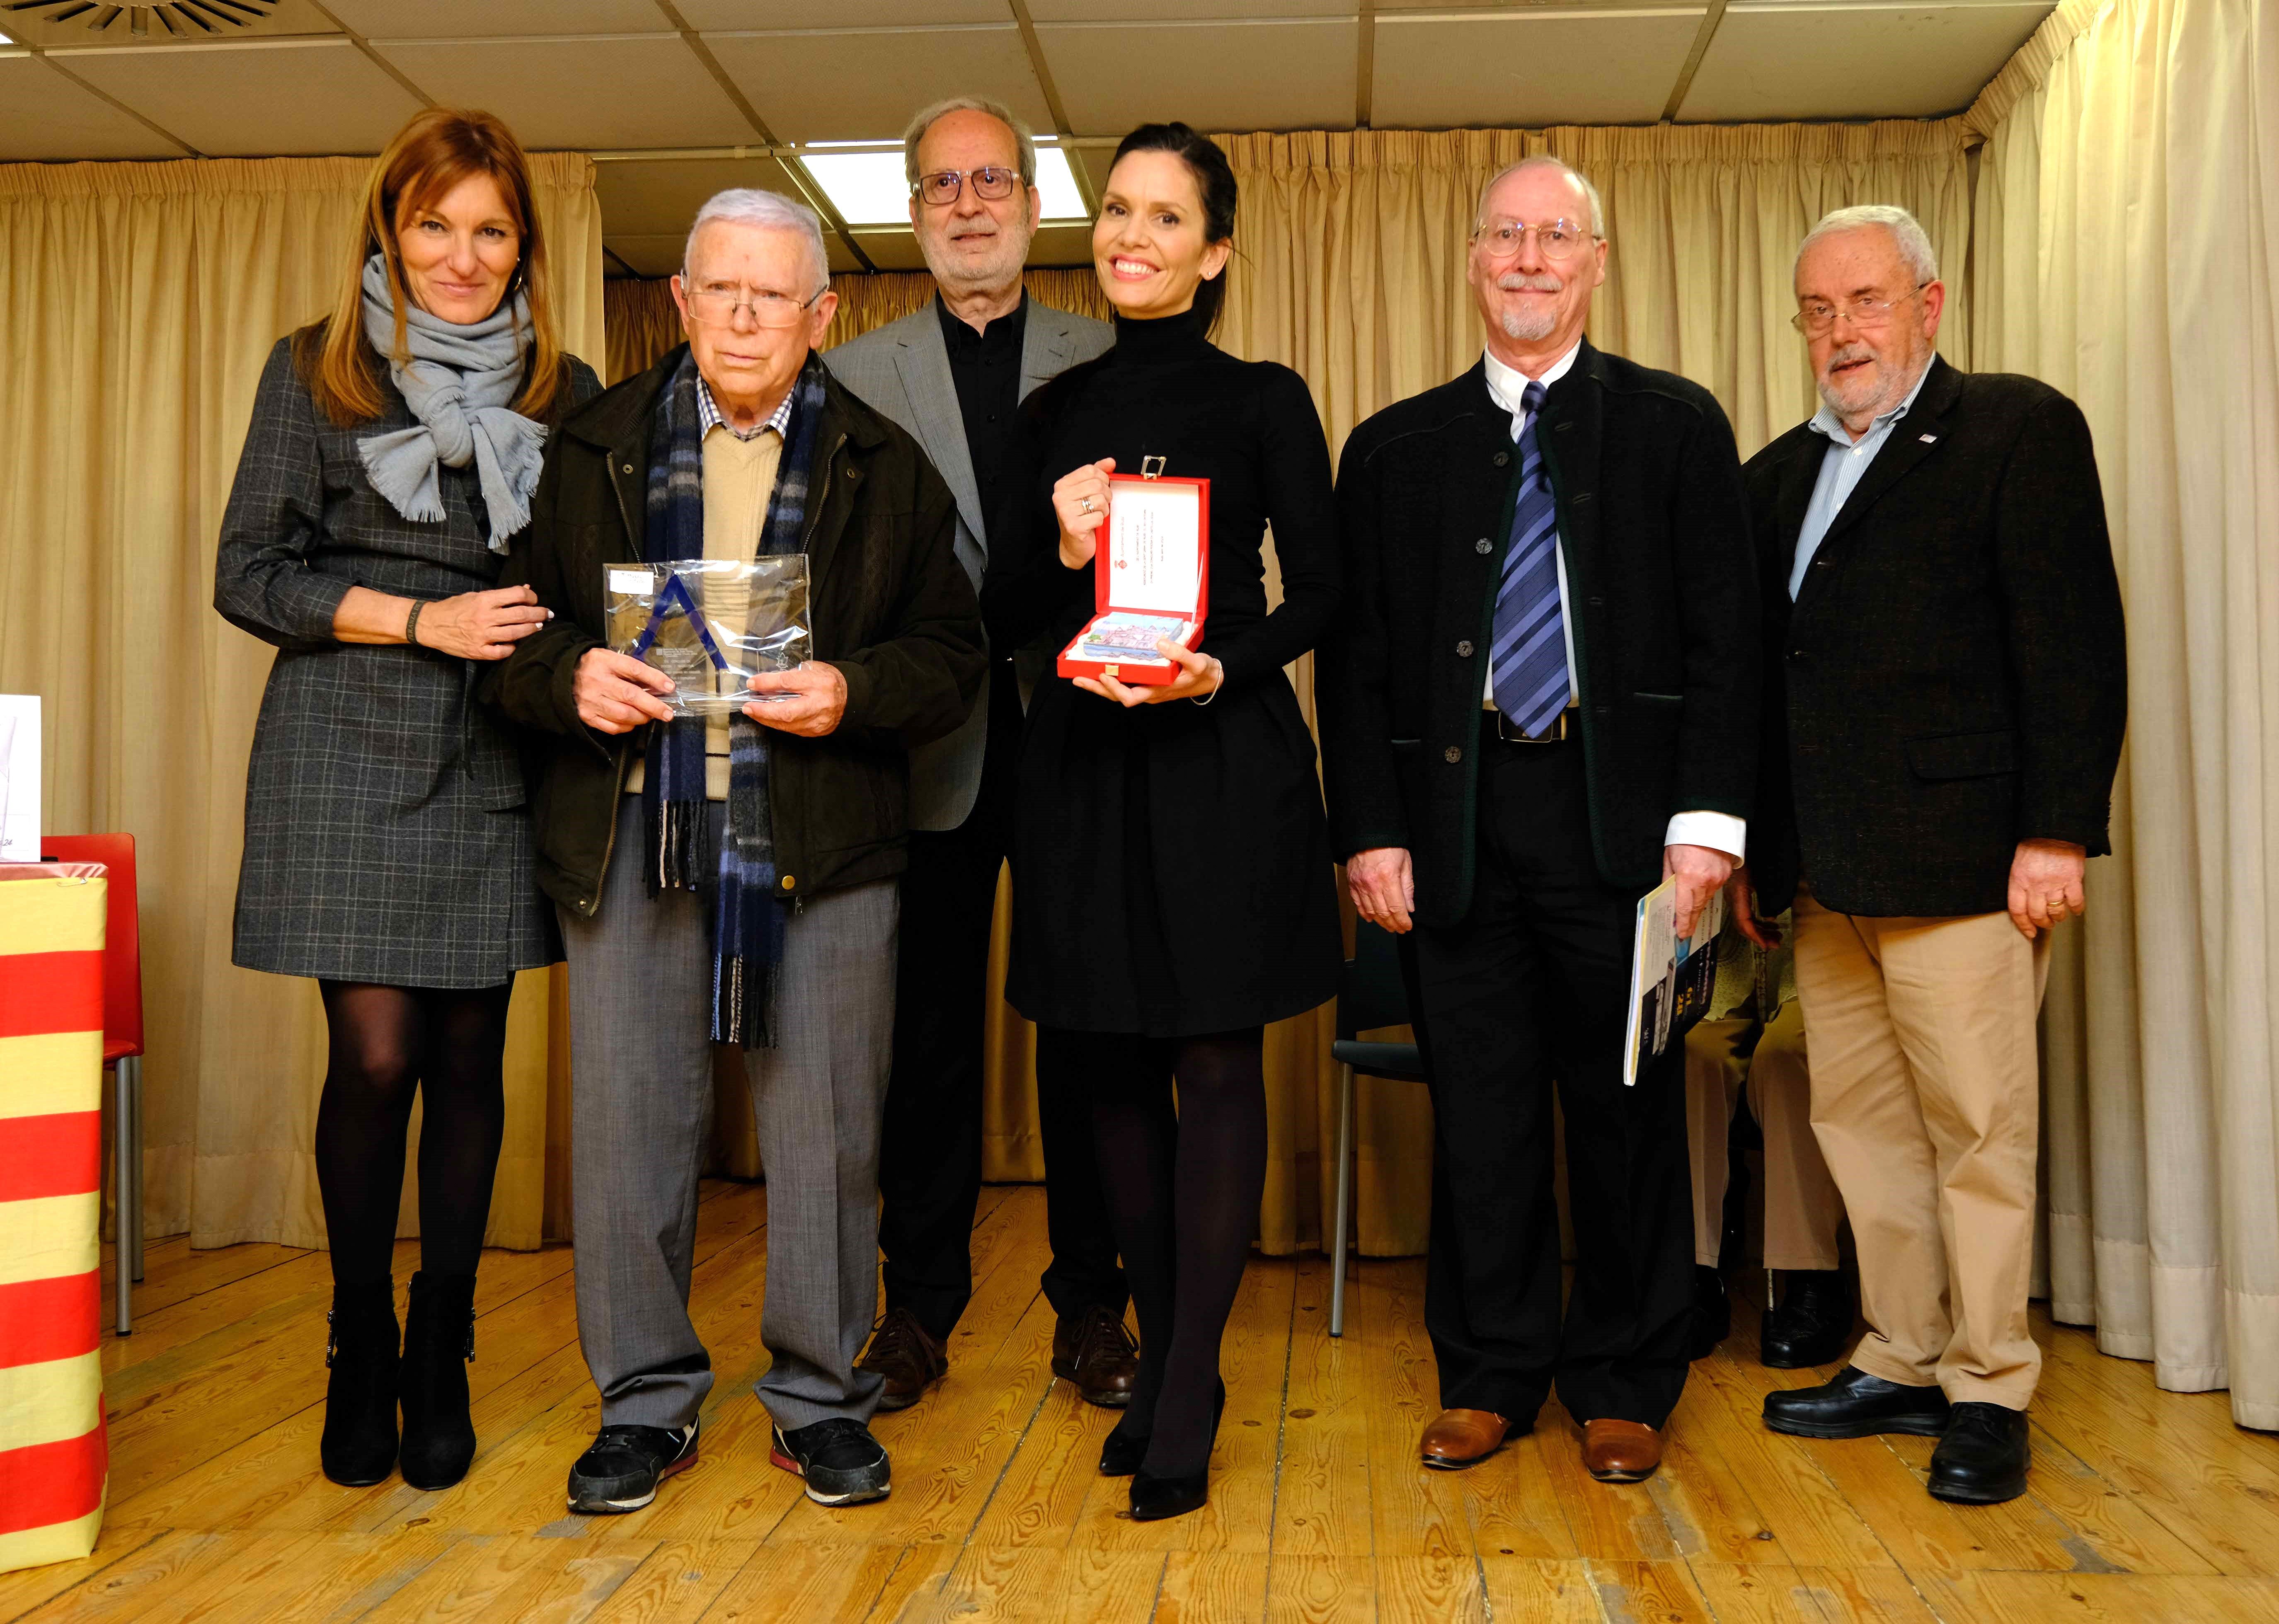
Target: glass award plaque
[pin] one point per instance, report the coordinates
(710, 624)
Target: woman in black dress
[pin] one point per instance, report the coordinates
(1172, 881)
(392, 452)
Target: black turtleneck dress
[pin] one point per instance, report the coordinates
(1171, 868)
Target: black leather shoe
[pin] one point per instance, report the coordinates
(1983, 1457)
(1813, 1324)
(623, 1467)
(1856, 1405)
(1120, 1455)
(842, 1463)
(361, 1359)
(1713, 1313)
(439, 1341)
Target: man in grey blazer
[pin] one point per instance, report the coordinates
(952, 374)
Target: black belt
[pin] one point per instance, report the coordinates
(1565, 725)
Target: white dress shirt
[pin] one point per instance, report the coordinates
(1508, 387)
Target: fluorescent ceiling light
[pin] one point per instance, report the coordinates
(868, 189)
(4, 39)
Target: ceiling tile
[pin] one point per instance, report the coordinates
(33, 28)
(1143, 12)
(43, 115)
(656, 254)
(733, 15)
(1528, 69)
(1062, 245)
(865, 85)
(641, 198)
(421, 19)
(256, 100)
(1802, 61)
(892, 251)
(1230, 75)
(645, 91)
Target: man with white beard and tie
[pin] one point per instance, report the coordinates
(1542, 702)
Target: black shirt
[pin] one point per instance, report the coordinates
(987, 366)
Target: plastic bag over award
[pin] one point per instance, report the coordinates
(710, 624)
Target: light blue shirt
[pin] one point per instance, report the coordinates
(1841, 469)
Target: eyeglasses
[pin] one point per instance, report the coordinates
(942, 189)
(717, 307)
(1816, 317)
(1554, 238)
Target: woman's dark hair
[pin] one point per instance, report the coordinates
(1213, 180)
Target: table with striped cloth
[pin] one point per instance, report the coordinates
(53, 1456)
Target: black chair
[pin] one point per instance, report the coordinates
(1370, 995)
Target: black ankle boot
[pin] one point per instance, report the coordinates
(358, 1447)
(438, 1340)
(1812, 1326)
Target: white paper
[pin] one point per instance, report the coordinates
(1155, 546)
(1668, 992)
(19, 777)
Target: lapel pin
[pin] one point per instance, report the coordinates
(1930, 440)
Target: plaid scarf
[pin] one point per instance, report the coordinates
(748, 915)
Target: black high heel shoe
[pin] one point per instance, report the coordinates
(1120, 1455)
(1154, 1498)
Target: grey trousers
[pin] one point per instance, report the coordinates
(641, 975)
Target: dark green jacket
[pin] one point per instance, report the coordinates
(889, 605)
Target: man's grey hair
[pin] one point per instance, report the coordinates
(1907, 235)
(746, 205)
(1542, 160)
(926, 117)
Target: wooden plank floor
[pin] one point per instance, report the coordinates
(2145, 1505)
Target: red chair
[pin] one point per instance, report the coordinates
(122, 1039)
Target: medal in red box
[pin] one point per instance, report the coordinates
(1151, 578)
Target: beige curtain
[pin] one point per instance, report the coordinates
(138, 303)
(1350, 269)
(2128, 252)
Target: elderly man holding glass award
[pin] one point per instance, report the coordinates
(758, 611)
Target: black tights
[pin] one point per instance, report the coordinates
(1182, 1191)
(385, 1043)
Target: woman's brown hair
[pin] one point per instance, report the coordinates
(430, 155)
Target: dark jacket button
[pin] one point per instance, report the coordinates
(1502, 458)
(1484, 545)
(1795, 655)
(1452, 755)
(1464, 648)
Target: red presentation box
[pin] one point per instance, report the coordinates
(1151, 577)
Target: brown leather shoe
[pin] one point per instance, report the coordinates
(1459, 1438)
(1094, 1351)
(904, 1353)
(1620, 1451)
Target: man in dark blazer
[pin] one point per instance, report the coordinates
(952, 375)
(1543, 701)
(1945, 696)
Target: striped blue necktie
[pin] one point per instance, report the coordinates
(1529, 645)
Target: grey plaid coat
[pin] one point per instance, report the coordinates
(386, 836)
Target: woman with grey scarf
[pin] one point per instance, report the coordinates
(391, 457)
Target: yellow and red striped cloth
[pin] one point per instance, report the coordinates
(53, 1455)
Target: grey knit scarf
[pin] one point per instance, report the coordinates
(458, 381)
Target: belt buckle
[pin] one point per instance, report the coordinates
(1509, 734)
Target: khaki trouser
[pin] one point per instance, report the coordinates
(1925, 1095)
(1802, 1206)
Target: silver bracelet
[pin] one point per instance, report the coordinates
(1205, 699)
(411, 622)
